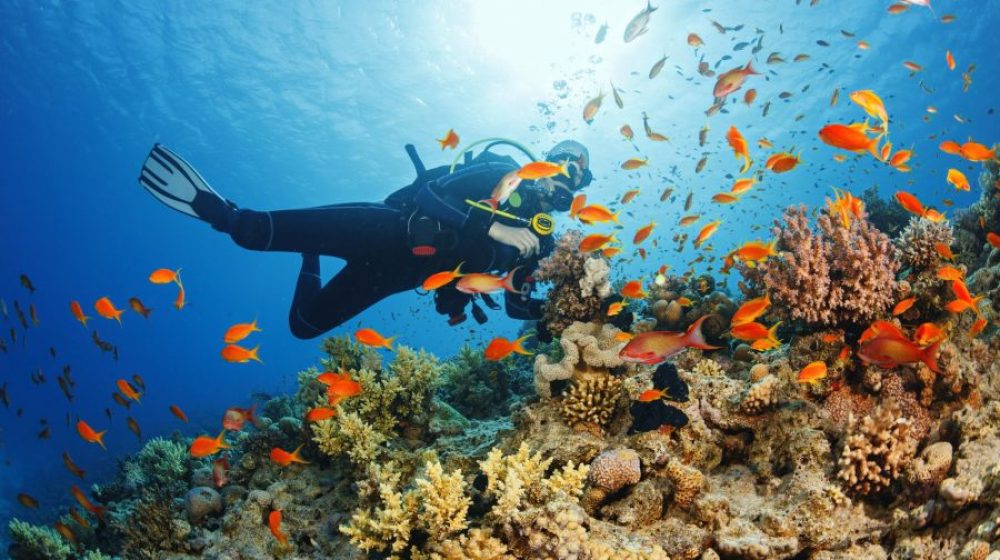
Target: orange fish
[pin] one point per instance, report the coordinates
(849, 138)
(643, 233)
(928, 333)
(623, 337)
(71, 466)
(595, 241)
(844, 355)
(689, 219)
(812, 373)
(180, 302)
(609, 252)
(910, 203)
(176, 411)
(898, 8)
(627, 132)
(220, 471)
(653, 347)
(651, 395)
(443, 278)
(725, 198)
(66, 533)
(499, 348)
(89, 435)
(950, 147)
(471, 283)
(85, 502)
(863, 45)
(751, 309)
(944, 250)
(957, 179)
(694, 40)
(782, 162)
(912, 66)
(283, 458)
(634, 163)
(616, 308)
(977, 326)
(629, 195)
(739, 146)
(950, 273)
(320, 413)
(77, 310)
(756, 251)
(706, 232)
(371, 337)
(733, 80)
(596, 214)
(887, 350)
(741, 186)
(871, 103)
(165, 276)
(235, 418)
(205, 446)
(749, 96)
(450, 140)
(592, 107)
(79, 518)
(633, 289)
(137, 306)
(234, 353)
(342, 389)
(128, 390)
(974, 151)
(902, 306)
(881, 328)
(579, 201)
(274, 523)
(27, 500)
(950, 60)
(106, 309)
(542, 170)
(749, 331)
(993, 239)
(239, 331)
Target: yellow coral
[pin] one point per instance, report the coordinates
(476, 545)
(443, 501)
(513, 478)
(348, 433)
(388, 526)
(688, 482)
(591, 400)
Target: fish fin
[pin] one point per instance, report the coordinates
(389, 341)
(253, 354)
(520, 349)
(100, 439)
(749, 68)
(694, 337)
(507, 281)
(458, 270)
(929, 356)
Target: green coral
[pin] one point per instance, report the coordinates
(160, 466)
(347, 355)
(37, 542)
(476, 387)
(95, 555)
(145, 529)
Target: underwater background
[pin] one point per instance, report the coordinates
(298, 104)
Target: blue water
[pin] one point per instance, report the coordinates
(297, 104)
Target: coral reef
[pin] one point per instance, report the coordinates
(834, 276)
(876, 450)
(32, 542)
(579, 284)
(588, 348)
(915, 244)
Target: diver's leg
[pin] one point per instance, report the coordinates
(355, 288)
(350, 231)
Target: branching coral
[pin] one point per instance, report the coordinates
(876, 451)
(688, 482)
(915, 244)
(436, 505)
(579, 284)
(34, 541)
(591, 400)
(478, 388)
(834, 276)
(160, 466)
(587, 348)
(519, 480)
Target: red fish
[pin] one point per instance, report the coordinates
(443, 278)
(643, 233)
(106, 309)
(234, 353)
(499, 348)
(274, 523)
(812, 373)
(656, 346)
(730, 81)
(77, 310)
(85, 502)
(887, 350)
(165, 276)
(128, 390)
(750, 310)
(483, 283)
(239, 331)
(848, 138)
(320, 413)
(450, 140)
(739, 146)
(542, 170)
(633, 289)
(90, 435)
(220, 471)
(205, 446)
(176, 411)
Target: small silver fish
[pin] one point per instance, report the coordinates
(638, 24)
(657, 67)
(601, 33)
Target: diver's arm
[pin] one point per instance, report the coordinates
(444, 199)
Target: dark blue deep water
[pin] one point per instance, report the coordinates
(293, 104)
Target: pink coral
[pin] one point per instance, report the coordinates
(834, 276)
(615, 469)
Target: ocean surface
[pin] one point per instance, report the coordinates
(298, 104)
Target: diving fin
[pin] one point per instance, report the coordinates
(175, 183)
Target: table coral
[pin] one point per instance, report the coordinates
(835, 275)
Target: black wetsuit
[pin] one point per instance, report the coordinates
(376, 241)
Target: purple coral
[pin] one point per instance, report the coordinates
(834, 276)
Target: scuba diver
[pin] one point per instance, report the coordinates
(436, 223)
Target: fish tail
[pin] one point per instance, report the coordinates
(296, 458)
(100, 439)
(614, 217)
(389, 341)
(749, 68)
(516, 347)
(458, 270)
(873, 148)
(563, 170)
(221, 441)
(929, 356)
(253, 354)
(84, 320)
(508, 280)
(695, 338)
